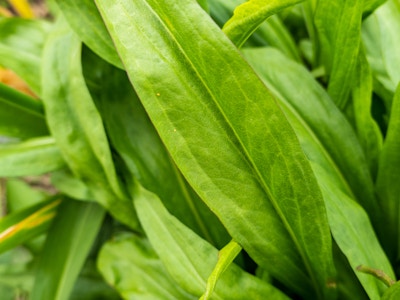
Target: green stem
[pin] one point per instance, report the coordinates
(382, 276)
(225, 257)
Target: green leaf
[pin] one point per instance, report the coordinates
(225, 258)
(392, 293)
(313, 110)
(86, 21)
(32, 157)
(76, 124)
(189, 259)
(20, 227)
(21, 44)
(272, 32)
(338, 25)
(67, 246)
(20, 115)
(248, 16)
(133, 135)
(387, 181)
(227, 136)
(322, 130)
(130, 265)
(380, 35)
(366, 127)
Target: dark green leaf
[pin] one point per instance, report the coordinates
(20, 115)
(227, 136)
(387, 183)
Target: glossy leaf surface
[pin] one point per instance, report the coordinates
(262, 175)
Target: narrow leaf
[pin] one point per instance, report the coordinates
(22, 226)
(61, 260)
(248, 16)
(190, 260)
(387, 181)
(76, 124)
(32, 157)
(263, 175)
(225, 258)
(339, 31)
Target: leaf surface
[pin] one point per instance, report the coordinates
(21, 45)
(20, 115)
(227, 136)
(76, 124)
(248, 16)
(189, 259)
(86, 21)
(32, 157)
(387, 181)
(77, 224)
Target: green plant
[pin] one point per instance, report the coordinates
(256, 161)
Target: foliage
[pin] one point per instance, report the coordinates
(214, 149)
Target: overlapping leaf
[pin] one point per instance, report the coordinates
(21, 44)
(323, 136)
(249, 15)
(76, 124)
(67, 246)
(186, 255)
(227, 136)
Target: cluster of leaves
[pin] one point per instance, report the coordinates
(256, 161)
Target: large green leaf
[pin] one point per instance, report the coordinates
(189, 259)
(20, 115)
(135, 139)
(338, 26)
(319, 135)
(132, 267)
(227, 135)
(248, 16)
(67, 246)
(86, 21)
(76, 124)
(32, 157)
(21, 44)
(387, 183)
